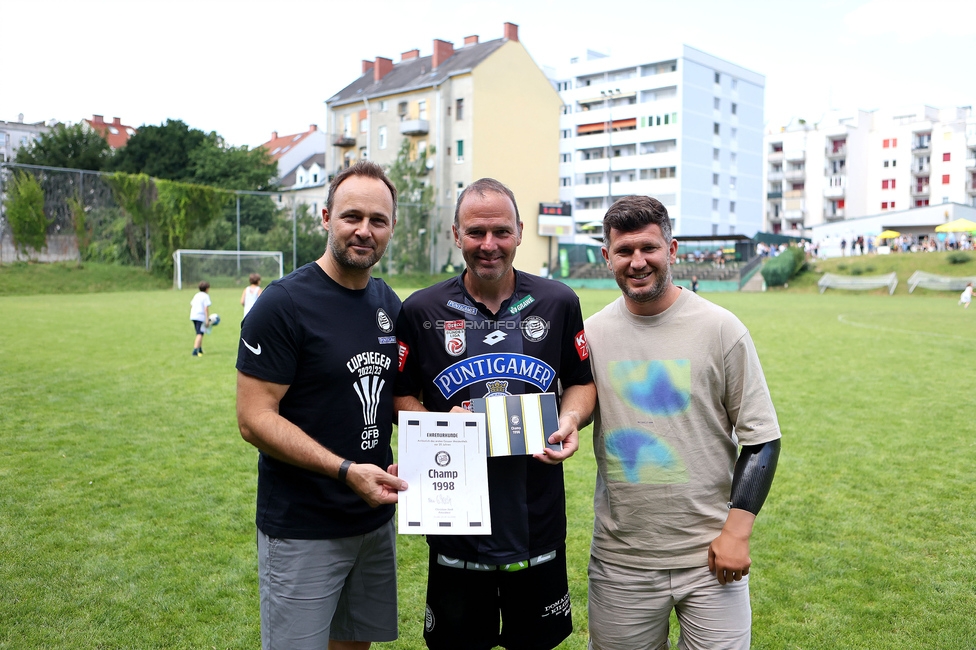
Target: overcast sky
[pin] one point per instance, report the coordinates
(245, 68)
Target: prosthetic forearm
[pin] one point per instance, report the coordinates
(753, 476)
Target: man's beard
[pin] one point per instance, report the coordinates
(650, 294)
(349, 260)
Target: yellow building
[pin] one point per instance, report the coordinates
(484, 110)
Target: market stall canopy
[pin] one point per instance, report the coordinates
(889, 234)
(958, 225)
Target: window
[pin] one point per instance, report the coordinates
(381, 136)
(894, 163)
(718, 78)
(402, 110)
(945, 179)
(894, 142)
(459, 109)
(884, 184)
(362, 153)
(892, 205)
(566, 133)
(458, 189)
(383, 106)
(735, 134)
(565, 181)
(945, 157)
(884, 205)
(885, 143)
(714, 229)
(717, 103)
(565, 157)
(460, 151)
(735, 108)
(886, 163)
(665, 118)
(716, 128)
(731, 182)
(715, 154)
(735, 84)
(732, 158)
(347, 125)
(422, 109)
(731, 207)
(714, 179)
(892, 183)
(715, 205)
(422, 148)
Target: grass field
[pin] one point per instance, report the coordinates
(127, 495)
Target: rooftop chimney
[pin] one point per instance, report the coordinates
(367, 66)
(313, 127)
(117, 121)
(98, 119)
(470, 40)
(511, 31)
(443, 50)
(411, 54)
(382, 68)
(274, 135)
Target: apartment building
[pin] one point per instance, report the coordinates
(20, 134)
(678, 124)
(484, 109)
(849, 166)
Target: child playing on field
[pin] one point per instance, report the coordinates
(200, 316)
(967, 296)
(251, 292)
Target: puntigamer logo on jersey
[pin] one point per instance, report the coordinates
(499, 366)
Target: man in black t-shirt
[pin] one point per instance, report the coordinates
(316, 367)
(494, 330)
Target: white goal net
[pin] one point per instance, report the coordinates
(858, 282)
(938, 282)
(224, 269)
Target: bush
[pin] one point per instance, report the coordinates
(778, 271)
(958, 257)
(25, 213)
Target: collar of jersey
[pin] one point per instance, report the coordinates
(481, 307)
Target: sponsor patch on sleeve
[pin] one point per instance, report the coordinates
(581, 349)
(402, 351)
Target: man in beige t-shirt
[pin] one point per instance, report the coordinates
(680, 390)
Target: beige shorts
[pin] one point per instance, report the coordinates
(629, 609)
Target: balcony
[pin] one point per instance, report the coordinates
(920, 169)
(774, 156)
(971, 163)
(796, 154)
(837, 152)
(795, 174)
(794, 194)
(344, 140)
(921, 145)
(971, 186)
(834, 215)
(774, 195)
(835, 191)
(414, 127)
(772, 177)
(920, 190)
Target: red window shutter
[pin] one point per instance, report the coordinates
(945, 179)
(840, 204)
(892, 186)
(894, 142)
(946, 157)
(884, 205)
(884, 185)
(885, 144)
(892, 205)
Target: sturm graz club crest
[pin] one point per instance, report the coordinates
(442, 458)
(534, 328)
(383, 321)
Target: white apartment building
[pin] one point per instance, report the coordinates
(868, 163)
(20, 134)
(677, 124)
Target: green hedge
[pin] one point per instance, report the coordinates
(778, 271)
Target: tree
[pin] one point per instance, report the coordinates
(160, 151)
(311, 237)
(74, 147)
(415, 203)
(25, 213)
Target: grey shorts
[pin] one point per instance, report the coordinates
(630, 608)
(313, 590)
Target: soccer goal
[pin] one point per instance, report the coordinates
(858, 282)
(223, 269)
(938, 282)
